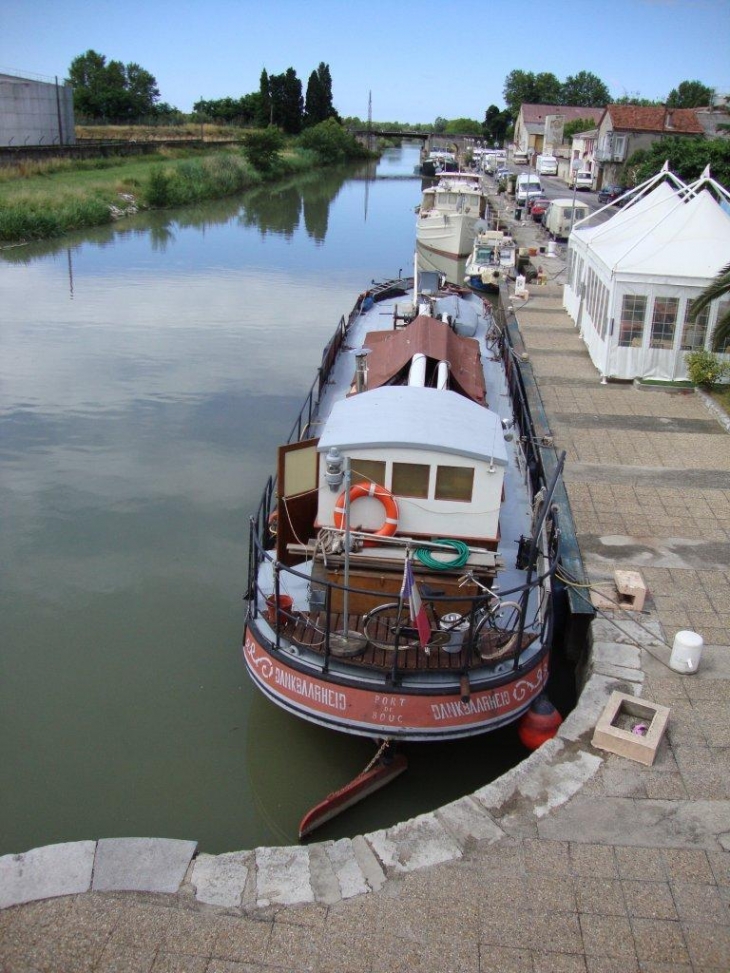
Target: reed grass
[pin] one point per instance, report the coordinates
(41, 200)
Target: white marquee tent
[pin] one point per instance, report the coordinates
(632, 279)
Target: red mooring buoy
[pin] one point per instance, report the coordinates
(540, 723)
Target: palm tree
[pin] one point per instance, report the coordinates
(714, 290)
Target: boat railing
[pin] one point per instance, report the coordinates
(303, 422)
(520, 406)
(316, 627)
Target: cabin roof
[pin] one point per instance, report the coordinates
(392, 350)
(412, 417)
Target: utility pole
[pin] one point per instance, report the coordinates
(370, 121)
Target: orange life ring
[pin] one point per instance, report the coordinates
(390, 524)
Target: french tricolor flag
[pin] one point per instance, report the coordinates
(409, 591)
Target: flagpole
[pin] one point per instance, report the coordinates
(347, 642)
(346, 593)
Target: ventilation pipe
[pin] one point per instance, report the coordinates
(361, 369)
(442, 375)
(417, 371)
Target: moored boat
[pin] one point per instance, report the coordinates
(492, 261)
(450, 213)
(401, 561)
(440, 160)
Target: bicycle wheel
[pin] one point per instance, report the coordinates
(388, 624)
(496, 634)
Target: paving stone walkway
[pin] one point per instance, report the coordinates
(577, 860)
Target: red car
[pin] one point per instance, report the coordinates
(538, 207)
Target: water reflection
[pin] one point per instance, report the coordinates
(149, 369)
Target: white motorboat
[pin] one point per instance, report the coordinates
(493, 260)
(450, 213)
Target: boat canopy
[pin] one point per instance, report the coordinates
(413, 417)
(391, 351)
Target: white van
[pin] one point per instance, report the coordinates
(583, 180)
(546, 165)
(527, 185)
(559, 217)
(520, 158)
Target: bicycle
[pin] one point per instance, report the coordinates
(493, 624)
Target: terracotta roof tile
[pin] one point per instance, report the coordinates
(633, 118)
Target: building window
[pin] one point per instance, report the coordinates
(454, 483)
(367, 471)
(663, 322)
(633, 312)
(410, 479)
(695, 332)
(619, 148)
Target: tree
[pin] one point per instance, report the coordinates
(142, 89)
(635, 99)
(263, 112)
(525, 87)
(318, 105)
(495, 124)
(577, 125)
(690, 94)
(287, 104)
(439, 125)
(112, 91)
(687, 157)
(717, 289)
(230, 111)
(584, 89)
(463, 126)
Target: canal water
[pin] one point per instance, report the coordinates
(147, 372)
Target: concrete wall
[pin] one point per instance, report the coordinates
(35, 112)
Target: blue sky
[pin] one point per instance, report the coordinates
(419, 58)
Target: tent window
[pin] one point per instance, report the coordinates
(633, 312)
(454, 483)
(695, 332)
(663, 322)
(410, 479)
(367, 470)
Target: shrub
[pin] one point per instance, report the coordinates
(705, 368)
(262, 148)
(158, 188)
(331, 142)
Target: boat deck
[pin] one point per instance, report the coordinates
(307, 630)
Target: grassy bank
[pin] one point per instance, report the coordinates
(40, 200)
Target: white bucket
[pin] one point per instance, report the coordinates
(686, 652)
(551, 249)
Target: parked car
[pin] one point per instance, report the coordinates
(501, 173)
(607, 194)
(537, 207)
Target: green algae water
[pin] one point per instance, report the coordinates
(147, 372)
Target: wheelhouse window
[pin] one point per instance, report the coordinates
(663, 322)
(633, 312)
(695, 332)
(410, 479)
(367, 471)
(454, 483)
